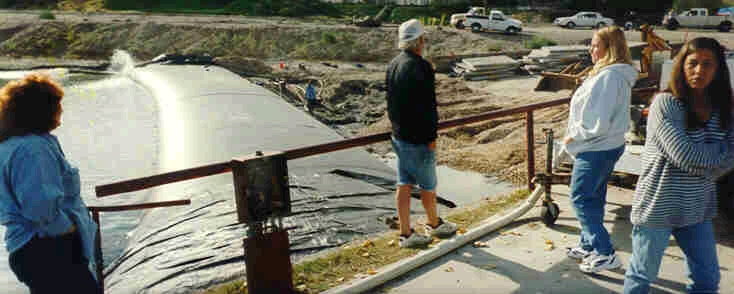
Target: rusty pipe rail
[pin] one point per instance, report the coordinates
(223, 167)
(300, 152)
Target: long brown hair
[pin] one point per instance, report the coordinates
(719, 90)
(29, 105)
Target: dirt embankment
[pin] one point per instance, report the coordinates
(264, 41)
(351, 80)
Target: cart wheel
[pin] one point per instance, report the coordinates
(549, 213)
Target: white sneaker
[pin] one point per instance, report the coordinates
(444, 229)
(595, 263)
(577, 253)
(415, 240)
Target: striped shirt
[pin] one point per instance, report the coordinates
(676, 187)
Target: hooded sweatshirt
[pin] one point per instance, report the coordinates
(600, 110)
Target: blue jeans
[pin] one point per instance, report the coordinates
(591, 171)
(416, 164)
(648, 245)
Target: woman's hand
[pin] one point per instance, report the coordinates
(567, 140)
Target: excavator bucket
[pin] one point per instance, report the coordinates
(568, 78)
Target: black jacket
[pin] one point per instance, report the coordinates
(411, 98)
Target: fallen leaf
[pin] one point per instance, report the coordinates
(517, 234)
(478, 244)
(467, 254)
(366, 254)
(461, 231)
(371, 272)
(301, 287)
(339, 280)
(533, 225)
(548, 247)
(490, 266)
(368, 243)
(548, 241)
(449, 270)
(391, 243)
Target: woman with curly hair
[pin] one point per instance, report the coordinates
(50, 235)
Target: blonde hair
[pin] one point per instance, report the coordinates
(612, 39)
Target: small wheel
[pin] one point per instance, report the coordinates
(475, 27)
(460, 25)
(549, 213)
(570, 25)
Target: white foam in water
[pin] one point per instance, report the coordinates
(122, 62)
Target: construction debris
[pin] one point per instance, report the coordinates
(555, 58)
(487, 68)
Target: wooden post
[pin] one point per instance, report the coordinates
(261, 192)
(99, 264)
(530, 140)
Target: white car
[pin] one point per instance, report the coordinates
(584, 19)
(496, 20)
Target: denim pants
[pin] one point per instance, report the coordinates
(648, 245)
(591, 171)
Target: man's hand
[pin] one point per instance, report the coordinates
(567, 140)
(432, 145)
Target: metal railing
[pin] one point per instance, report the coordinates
(224, 167)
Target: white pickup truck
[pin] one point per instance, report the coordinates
(697, 18)
(496, 21)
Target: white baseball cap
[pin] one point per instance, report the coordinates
(410, 30)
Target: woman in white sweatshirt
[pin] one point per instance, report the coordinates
(599, 118)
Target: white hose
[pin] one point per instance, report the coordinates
(402, 267)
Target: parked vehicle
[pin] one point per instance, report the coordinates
(496, 21)
(584, 19)
(698, 18)
(459, 19)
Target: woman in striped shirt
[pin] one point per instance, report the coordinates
(689, 143)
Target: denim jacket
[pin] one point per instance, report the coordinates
(40, 193)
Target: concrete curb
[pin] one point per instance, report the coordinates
(402, 267)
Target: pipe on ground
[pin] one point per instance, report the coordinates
(402, 267)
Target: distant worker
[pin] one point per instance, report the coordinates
(50, 235)
(599, 118)
(690, 141)
(310, 96)
(411, 104)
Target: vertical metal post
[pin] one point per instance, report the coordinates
(260, 194)
(548, 163)
(530, 140)
(99, 264)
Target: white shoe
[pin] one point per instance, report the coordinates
(444, 229)
(577, 253)
(595, 263)
(415, 240)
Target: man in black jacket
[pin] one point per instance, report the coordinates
(411, 104)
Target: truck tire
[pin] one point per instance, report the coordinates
(475, 27)
(570, 25)
(725, 27)
(512, 30)
(672, 25)
(460, 25)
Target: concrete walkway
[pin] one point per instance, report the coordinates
(518, 258)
